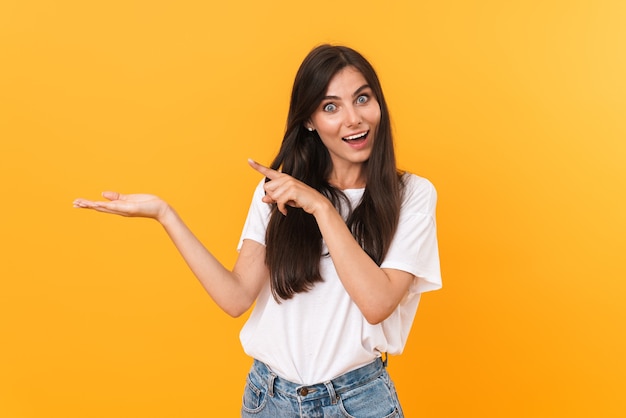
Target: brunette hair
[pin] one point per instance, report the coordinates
(294, 242)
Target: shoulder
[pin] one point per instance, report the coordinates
(257, 198)
(419, 194)
(259, 191)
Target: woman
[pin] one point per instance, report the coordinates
(336, 250)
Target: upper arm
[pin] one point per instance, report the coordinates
(399, 283)
(251, 271)
(414, 248)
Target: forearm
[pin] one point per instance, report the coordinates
(370, 287)
(224, 286)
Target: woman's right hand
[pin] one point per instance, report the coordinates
(135, 205)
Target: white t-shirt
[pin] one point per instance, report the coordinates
(320, 334)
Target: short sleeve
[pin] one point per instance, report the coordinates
(258, 217)
(414, 248)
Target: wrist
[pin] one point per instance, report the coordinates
(323, 209)
(166, 215)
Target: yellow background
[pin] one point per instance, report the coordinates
(514, 109)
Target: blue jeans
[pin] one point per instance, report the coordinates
(367, 392)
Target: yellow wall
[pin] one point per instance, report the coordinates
(514, 109)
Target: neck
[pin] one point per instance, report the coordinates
(355, 180)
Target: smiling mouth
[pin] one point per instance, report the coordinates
(357, 137)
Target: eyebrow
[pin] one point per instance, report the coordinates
(356, 93)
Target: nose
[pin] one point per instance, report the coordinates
(353, 116)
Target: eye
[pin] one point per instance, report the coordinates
(364, 98)
(329, 107)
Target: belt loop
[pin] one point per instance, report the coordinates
(386, 360)
(331, 392)
(270, 384)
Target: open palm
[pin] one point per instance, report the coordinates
(136, 205)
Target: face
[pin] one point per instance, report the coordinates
(346, 120)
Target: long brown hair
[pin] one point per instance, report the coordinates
(294, 242)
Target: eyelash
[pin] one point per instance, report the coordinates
(364, 96)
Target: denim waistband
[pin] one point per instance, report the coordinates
(331, 388)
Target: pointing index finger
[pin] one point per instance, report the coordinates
(266, 171)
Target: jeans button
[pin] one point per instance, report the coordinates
(304, 391)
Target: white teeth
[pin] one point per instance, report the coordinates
(357, 136)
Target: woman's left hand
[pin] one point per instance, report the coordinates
(284, 190)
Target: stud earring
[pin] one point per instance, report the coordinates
(310, 129)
